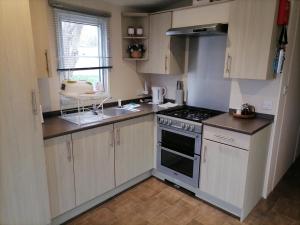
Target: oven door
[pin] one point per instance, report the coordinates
(184, 142)
(176, 155)
(179, 166)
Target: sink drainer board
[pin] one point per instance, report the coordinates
(84, 117)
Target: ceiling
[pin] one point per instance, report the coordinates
(150, 5)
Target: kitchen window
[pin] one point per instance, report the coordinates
(83, 47)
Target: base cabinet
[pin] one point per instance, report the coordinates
(93, 152)
(233, 168)
(134, 148)
(223, 172)
(59, 162)
(87, 164)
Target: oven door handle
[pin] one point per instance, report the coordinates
(183, 133)
(177, 153)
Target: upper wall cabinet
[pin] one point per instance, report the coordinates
(251, 39)
(216, 13)
(166, 54)
(43, 41)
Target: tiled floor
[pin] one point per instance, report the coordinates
(155, 203)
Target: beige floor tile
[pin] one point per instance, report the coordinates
(152, 202)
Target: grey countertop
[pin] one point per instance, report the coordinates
(246, 126)
(55, 126)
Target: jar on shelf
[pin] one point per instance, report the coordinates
(139, 31)
(130, 31)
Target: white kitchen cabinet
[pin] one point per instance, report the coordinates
(85, 167)
(165, 54)
(233, 168)
(93, 162)
(43, 36)
(252, 35)
(23, 182)
(59, 162)
(203, 15)
(223, 172)
(134, 148)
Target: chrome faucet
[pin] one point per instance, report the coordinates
(101, 104)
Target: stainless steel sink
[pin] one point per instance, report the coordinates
(84, 117)
(97, 116)
(115, 111)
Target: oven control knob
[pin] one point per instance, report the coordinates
(182, 125)
(169, 122)
(187, 127)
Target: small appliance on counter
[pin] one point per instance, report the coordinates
(247, 111)
(158, 94)
(179, 93)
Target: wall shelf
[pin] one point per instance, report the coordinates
(135, 20)
(135, 37)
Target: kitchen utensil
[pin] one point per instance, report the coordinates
(179, 93)
(158, 94)
(246, 112)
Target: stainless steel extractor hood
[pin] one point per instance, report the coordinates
(201, 30)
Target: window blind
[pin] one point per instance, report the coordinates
(82, 41)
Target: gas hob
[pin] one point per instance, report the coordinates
(191, 113)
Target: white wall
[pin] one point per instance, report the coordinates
(125, 83)
(167, 81)
(256, 93)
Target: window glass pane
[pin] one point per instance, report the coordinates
(80, 45)
(92, 76)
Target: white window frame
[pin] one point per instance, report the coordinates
(81, 18)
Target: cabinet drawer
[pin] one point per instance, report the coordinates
(227, 137)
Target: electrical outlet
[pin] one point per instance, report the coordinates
(267, 105)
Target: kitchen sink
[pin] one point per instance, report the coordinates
(116, 111)
(97, 116)
(84, 117)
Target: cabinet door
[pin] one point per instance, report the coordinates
(93, 162)
(23, 181)
(39, 11)
(223, 172)
(166, 54)
(59, 161)
(134, 148)
(251, 39)
(203, 15)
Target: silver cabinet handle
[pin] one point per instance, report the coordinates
(224, 138)
(118, 136)
(204, 154)
(228, 64)
(166, 63)
(69, 157)
(34, 102)
(112, 139)
(47, 62)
